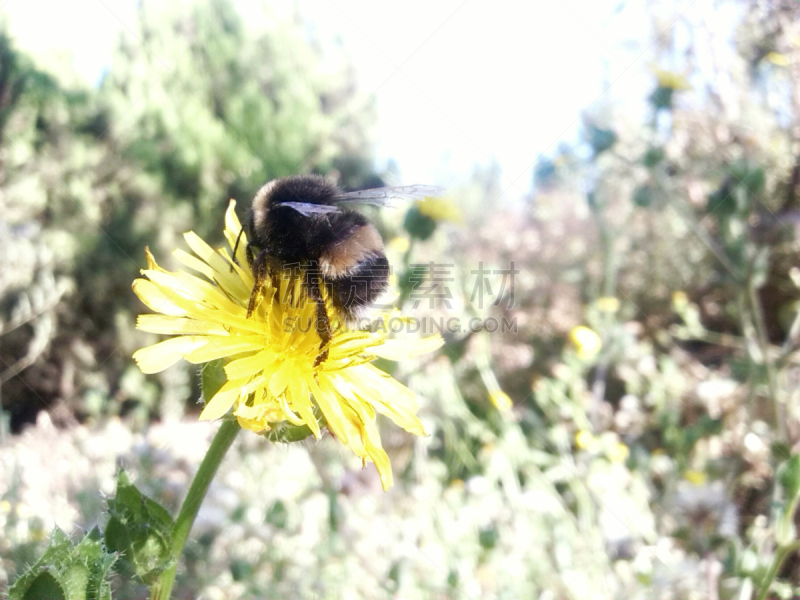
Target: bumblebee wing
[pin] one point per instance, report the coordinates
(384, 196)
(307, 209)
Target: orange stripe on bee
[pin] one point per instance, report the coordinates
(347, 254)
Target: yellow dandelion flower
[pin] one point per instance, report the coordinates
(440, 209)
(670, 79)
(587, 342)
(618, 453)
(697, 478)
(497, 396)
(608, 304)
(270, 357)
(778, 59)
(584, 440)
(501, 400)
(679, 300)
(399, 244)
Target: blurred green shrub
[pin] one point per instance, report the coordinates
(198, 107)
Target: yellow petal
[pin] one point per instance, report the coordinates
(254, 385)
(221, 347)
(221, 402)
(250, 365)
(193, 288)
(254, 425)
(158, 357)
(232, 230)
(217, 268)
(242, 269)
(301, 402)
(288, 412)
(326, 399)
(155, 299)
(279, 381)
(205, 252)
(389, 397)
(370, 443)
(399, 349)
(193, 263)
(234, 320)
(177, 325)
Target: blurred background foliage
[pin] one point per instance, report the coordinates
(201, 110)
(631, 438)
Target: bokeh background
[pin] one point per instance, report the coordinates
(630, 436)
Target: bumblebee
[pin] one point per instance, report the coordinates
(304, 222)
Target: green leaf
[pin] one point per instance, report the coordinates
(335, 511)
(545, 172)
(277, 515)
(44, 586)
(212, 378)
(68, 572)
(643, 196)
(652, 157)
(788, 478)
(140, 529)
(601, 139)
(418, 225)
(662, 97)
(488, 538)
(286, 432)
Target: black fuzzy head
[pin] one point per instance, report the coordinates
(285, 233)
(311, 189)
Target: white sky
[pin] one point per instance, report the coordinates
(457, 83)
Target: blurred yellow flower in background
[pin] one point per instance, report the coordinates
(697, 478)
(778, 59)
(608, 304)
(618, 453)
(584, 440)
(679, 300)
(501, 400)
(670, 79)
(440, 209)
(399, 244)
(497, 396)
(271, 373)
(586, 341)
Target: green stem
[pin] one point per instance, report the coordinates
(222, 441)
(405, 290)
(763, 344)
(780, 555)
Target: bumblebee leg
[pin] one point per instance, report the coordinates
(276, 272)
(236, 247)
(250, 254)
(322, 322)
(259, 266)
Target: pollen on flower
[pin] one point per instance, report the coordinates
(273, 377)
